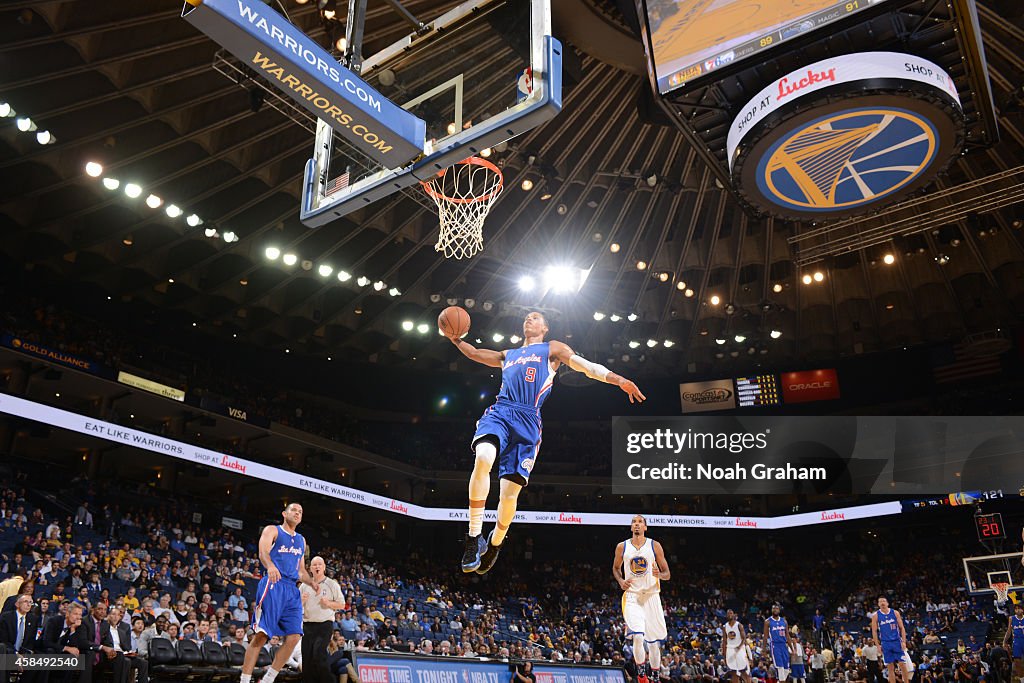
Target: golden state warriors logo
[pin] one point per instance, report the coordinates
(638, 566)
(847, 160)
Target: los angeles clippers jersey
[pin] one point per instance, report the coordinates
(639, 567)
(287, 553)
(1018, 629)
(777, 629)
(526, 375)
(888, 629)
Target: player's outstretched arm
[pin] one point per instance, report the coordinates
(659, 559)
(483, 356)
(564, 354)
(267, 539)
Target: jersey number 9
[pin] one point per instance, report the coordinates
(531, 374)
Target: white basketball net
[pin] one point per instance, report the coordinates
(463, 194)
(1002, 591)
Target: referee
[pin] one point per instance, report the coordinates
(318, 622)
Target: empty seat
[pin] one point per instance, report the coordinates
(163, 660)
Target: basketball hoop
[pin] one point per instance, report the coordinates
(1002, 590)
(463, 194)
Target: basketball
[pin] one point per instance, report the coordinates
(453, 322)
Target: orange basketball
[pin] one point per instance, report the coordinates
(453, 321)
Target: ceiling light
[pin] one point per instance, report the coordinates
(498, 337)
(720, 341)
(515, 339)
(154, 202)
(889, 259)
(614, 247)
(26, 125)
(527, 283)
(663, 277)
(173, 211)
(132, 190)
(631, 317)
(194, 220)
(777, 287)
(485, 152)
(394, 291)
(563, 279)
(546, 196)
(363, 281)
(942, 259)
(111, 183)
(527, 184)
(598, 315)
(325, 270)
(330, 14)
(423, 328)
(615, 317)
(290, 259)
(379, 285)
(244, 282)
(818, 276)
(669, 343)
(272, 253)
(127, 241)
(680, 285)
(45, 137)
(470, 303)
(730, 308)
(719, 354)
(740, 338)
(641, 265)
(344, 276)
(734, 354)
(651, 343)
(689, 293)
(488, 305)
(170, 280)
(341, 44)
(407, 325)
(6, 111)
(776, 334)
(715, 300)
(211, 232)
(751, 351)
(634, 344)
(807, 279)
(562, 209)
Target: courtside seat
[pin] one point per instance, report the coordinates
(163, 661)
(190, 655)
(215, 657)
(236, 654)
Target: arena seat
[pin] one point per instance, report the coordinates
(235, 653)
(215, 657)
(163, 660)
(189, 655)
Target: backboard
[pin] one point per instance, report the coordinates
(984, 570)
(478, 75)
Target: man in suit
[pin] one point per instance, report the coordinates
(66, 635)
(116, 640)
(18, 633)
(106, 656)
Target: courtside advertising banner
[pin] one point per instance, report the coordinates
(134, 438)
(837, 454)
(374, 668)
(698, 397)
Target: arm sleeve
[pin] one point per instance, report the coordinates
(588, 368)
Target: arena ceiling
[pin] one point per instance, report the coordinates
(131, 86)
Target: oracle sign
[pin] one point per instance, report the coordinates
(810, 385)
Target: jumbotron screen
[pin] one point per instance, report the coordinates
(690, 38)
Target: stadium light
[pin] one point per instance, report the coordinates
(807, 279)
(515, 339)
(740, 338)
(720, 341)
(889, 259)
(45, 137)
(94, 169)
(527, 283)
(641, 265)
(423, 328)
(776, 334)
(498, 337)
(272, 253)
(344, 276)
(132, 190)
(680, 285)
(194, 221)
(631, 317)
(634, 344)
(325, 270)
(363, 281)
(651, 343)
(818, 276)
(154, 202)
(598, 315)
(6, 110)
(290, 259)
(614, 247)
(379, 285)
(562, 279)
(689, 293)
(230, 237)
(715, 299)
(777, 287)
(407, 325)
(211, 232)
(26, 125)
(395, 291)
(669, 343)
(111, 183)
(173, 211)
(615, 317)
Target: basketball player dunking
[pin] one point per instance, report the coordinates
(734, 648)
(1015, 633)
(278, 610)
(890, 635)
(776, 636)
(511, 428)
(641, 601)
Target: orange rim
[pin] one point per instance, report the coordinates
(471, 161)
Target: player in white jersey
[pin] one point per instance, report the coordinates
(510, 430)
(641, 602)
(734, 648)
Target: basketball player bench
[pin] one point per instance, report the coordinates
(427, 110)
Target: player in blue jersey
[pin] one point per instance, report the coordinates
(1015, 633)
(778, 641)
(510, 430)
(891, 637)
(278, 609)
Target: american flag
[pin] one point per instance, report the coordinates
(952, 363)
(339, 183)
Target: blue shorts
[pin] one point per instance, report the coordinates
(892, 652)
(1018, 648)
(278, 610)
(518, 431)
(799, 671)
(780, 655)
